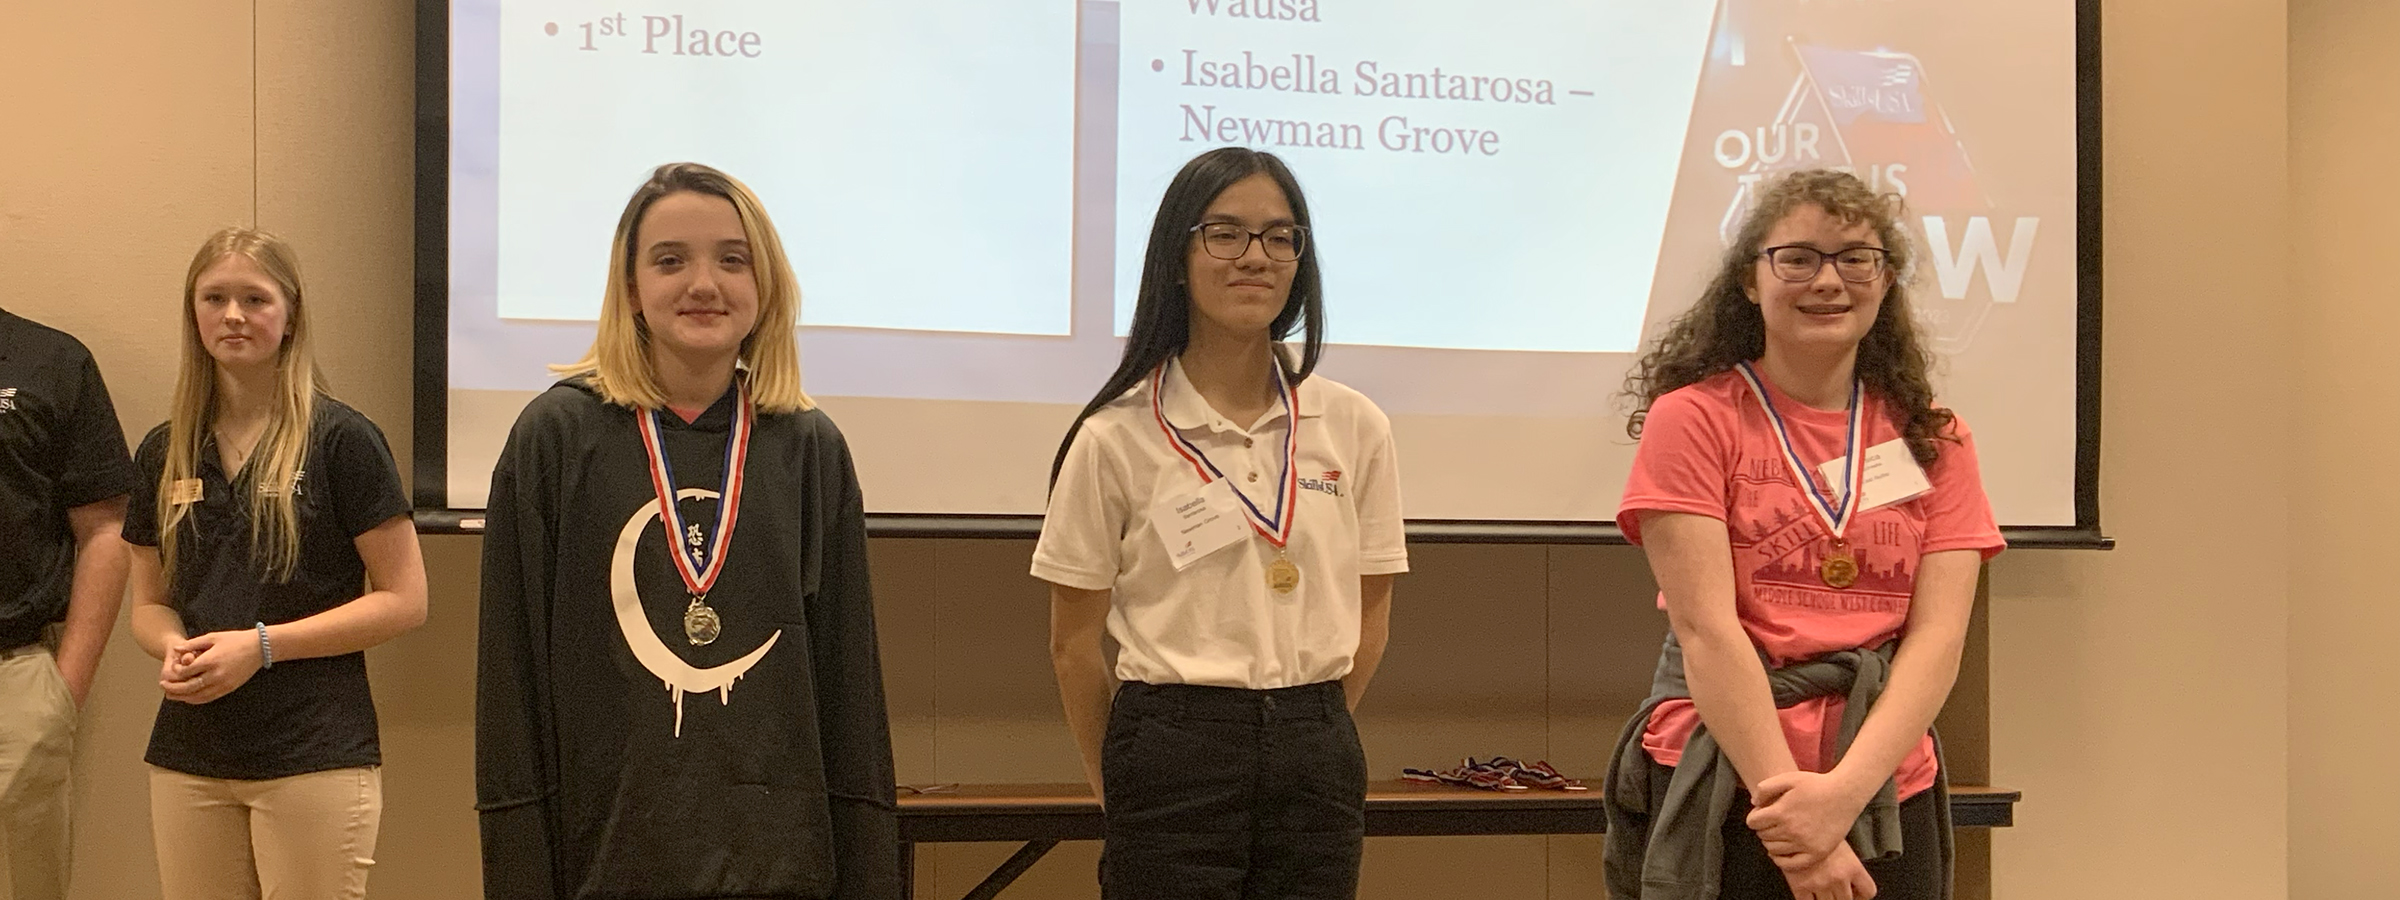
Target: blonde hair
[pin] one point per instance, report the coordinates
(273, 469)
(618, 365)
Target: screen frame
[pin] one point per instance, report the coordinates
(431, 364)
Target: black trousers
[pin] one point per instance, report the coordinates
(1917, 874)
(1227, 794)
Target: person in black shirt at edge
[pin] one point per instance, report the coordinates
(263, 506)
(63, 480)
(678, 693)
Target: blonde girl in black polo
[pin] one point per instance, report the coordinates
(263, 505)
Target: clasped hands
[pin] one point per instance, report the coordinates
(1804, 820)
(201, 669)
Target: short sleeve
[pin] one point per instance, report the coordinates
(363, 476)
(1958, 515)
(141, 504)
(95, 466)
(1382, 533)
(1083, 531)
(1683, 464)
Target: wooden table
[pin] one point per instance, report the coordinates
(1042, 815)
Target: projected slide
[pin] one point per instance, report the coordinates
(1509, 196)
(882, 136)
(1497, 181)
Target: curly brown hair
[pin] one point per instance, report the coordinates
(1725, 328)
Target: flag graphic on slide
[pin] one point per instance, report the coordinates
(1883, 118)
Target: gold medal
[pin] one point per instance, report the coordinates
(1282, 576)
(1835, 504)
(1840, 569)
(700, 623)
(698, 559)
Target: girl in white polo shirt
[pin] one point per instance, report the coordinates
(1234, 524)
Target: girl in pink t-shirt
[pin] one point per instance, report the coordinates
(1802, 499)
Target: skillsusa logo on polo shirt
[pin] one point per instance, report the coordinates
(1330, 484)
(298, 490)
(8, 399)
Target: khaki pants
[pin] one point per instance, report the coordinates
(306, 837)
(37, 742)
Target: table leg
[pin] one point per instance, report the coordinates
(1008, 871)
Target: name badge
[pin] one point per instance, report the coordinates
(1196, 524)
(1892, 475)
(183, 492)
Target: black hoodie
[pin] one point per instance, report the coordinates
(756, 766)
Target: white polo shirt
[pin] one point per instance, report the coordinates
(1217, 622)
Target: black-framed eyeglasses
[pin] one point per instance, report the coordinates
(1226, 240)
(1800, 262)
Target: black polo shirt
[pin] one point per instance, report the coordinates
(60, 448)
(303, 715)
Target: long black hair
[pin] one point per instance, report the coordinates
(1162, 323)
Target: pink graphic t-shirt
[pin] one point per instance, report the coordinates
(1708, 449)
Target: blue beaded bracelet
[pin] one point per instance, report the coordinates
(266, 648)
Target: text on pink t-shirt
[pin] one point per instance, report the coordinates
(1708, 449)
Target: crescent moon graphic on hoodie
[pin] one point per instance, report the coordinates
(681, 677)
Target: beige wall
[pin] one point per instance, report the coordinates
(134, 130)
(2141, 698)
(2345, 301)
(2138, 696)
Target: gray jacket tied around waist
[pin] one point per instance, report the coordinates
(1664, 841)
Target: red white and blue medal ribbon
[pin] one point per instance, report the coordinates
(1836, 510)
(701, 561)
(1274, 525)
